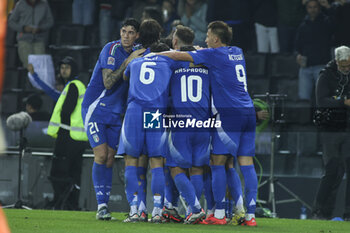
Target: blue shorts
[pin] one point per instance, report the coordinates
(135, 140)
(99, 133)
(236, 136)
(188, 149)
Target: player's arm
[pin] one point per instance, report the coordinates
(110, 77)
(177, 56)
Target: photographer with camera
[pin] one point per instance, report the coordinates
(333, 102)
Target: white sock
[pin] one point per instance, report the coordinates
(133, 210)
(210, 211)
(156, 211)
(219, 213)
(101, 205)
(248, 217)
(239, 206)
(142, 208)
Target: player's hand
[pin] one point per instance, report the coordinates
(133, 55)
(197, 47)
(137, 53)
(263, 115)
(30, 68)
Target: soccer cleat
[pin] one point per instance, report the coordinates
(251, 223)
(214, 221)
(103, 214)
(238, 219)
(171, 215)
(209, 216)
(132, 218)
(143, 217)
(195, 218)
(157, 219)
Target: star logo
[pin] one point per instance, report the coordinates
(151, 120)
(156, 115)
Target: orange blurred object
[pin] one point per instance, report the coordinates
(3, 24)
(4, 228)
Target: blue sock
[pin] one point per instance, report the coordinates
(219, 185)
(157, 185)
(131, 183)
(208, 192)
(108, 184)
(170, 190)
(187, 191)
(98, 179)
(251, 187)
(229, 208)
(197, 182)
(142, 191)
(234, 185)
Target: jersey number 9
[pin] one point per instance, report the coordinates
(240, 73)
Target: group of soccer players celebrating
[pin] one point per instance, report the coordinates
(199, 86)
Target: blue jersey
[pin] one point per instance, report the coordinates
(189, 90)
(100, 101)
(227, 76)
(149, 80)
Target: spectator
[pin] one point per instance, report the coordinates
(152, 13)
(289, 15)
(265, 18)
(342, 22)
(83, 12)
(66, 125)
(169, 15)
(332, 92)
(33, 105)
(62, 79)
(32, 20)
(111, 15)
(193, 14)
(313, 47)
(139, 6)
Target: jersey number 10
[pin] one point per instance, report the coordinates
(187, 88)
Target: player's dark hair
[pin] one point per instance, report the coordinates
(221, 30)
(167, 41)
(149, 32)
(185, 34)
(131, 22)
(159, 47)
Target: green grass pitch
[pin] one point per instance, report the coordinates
(46, 221)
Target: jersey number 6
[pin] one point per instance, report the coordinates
(145, 70)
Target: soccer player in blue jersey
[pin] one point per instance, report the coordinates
(148, 96)
(103, 104)
(189, 148)
(236, 112)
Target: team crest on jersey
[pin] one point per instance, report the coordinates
(96, 138)
(111, 61)
(152, 120)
